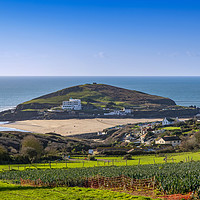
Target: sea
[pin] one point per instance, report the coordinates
(184, 91)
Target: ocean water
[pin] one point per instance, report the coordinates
(183, 90)
(9, 129)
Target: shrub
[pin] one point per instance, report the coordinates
(29, 153)
(92, 158)
(3, 155)
(127, 157)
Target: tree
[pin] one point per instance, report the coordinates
(29, 153)
(189, 144)
(31, 148)
(197, 137)
(51, 151)
(3, 154)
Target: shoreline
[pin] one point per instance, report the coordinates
(72, 126)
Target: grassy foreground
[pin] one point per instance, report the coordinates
(79, 162)
(14, 192)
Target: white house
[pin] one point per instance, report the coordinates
(101, 133)
(169, 121)
(198, 116)
(159, 131)
(91, 151)
(173, 140)
(115, 112)
(127, 110)
(129, 139)
(72, 104)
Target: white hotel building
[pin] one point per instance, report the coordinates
(72, 104)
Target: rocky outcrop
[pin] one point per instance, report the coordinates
(19, 115)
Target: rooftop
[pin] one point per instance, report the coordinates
(171, 138)
(170, 119)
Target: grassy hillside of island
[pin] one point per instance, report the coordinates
(98, 95)
(98, 100)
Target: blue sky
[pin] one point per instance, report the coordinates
(99, 38)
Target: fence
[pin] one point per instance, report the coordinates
(120, 182)
(117, 183)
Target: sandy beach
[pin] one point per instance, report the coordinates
(71, 126)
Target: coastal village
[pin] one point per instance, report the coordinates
(170, 134)
(98, 103)
(143, 136)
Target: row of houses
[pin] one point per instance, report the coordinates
(166, 140)
(148, 134)
(173, 141)
(169, 140)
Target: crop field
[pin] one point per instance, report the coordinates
(79, 162)
(15, 192)
(169, 178)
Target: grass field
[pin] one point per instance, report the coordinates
(15, 192)
(170, 128)
(78, 162)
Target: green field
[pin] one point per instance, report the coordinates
(169, 178)
(108, 161)
(171, 128)
(100, 99)
(15, 192)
